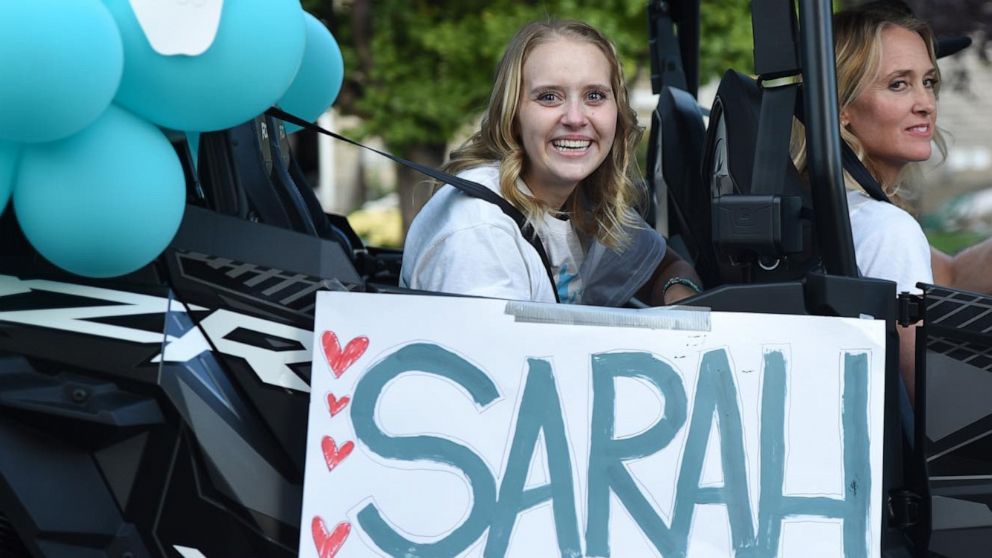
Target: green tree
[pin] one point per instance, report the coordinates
(726, 41)
(418, 71)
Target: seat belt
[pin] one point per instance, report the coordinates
(776, 61)
(853, 166)
(469, 188)
(764, 220)
(776, 56)
(859, 173)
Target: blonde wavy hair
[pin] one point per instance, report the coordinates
(601, 204)
(858, 51)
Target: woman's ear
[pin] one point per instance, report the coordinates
(844, 119)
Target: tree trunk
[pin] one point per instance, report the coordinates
(415, 189)
(361, 24)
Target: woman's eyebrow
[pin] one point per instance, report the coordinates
(904, 73)
(544, 87)
(538, 88)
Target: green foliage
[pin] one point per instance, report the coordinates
(952, 242)
(430, 64)
(726, 38)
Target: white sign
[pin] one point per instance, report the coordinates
(174, 27)
(462, 427)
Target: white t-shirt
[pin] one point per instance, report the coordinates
(888, 243)
(465, 245)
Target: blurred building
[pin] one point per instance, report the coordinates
(965, 116)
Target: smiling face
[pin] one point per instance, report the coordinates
(567, 116)
(895, 115)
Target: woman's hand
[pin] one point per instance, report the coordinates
(671, 282)
(677, 292)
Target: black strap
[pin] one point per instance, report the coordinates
(771, 151)
(666, 57)
(858, 172)
(774, 28)
(852, 164)
(467, 187)
(775, 56)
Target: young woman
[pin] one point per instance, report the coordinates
(557, 142)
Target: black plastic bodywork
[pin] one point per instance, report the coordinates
(955, 431)
(165, 411)
(739, 243)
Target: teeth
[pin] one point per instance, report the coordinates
(571, 144)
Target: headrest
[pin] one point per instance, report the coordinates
(947, 46)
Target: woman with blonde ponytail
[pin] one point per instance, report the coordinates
(887, 88)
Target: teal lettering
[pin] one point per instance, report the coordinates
(430, 359)
(716, 394)
(773, 505)
(607, 454)
(540, 410)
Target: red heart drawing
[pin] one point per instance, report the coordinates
(334, 455)
(339, 359)
(328, 543)
(334, 405)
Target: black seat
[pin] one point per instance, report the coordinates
(249, 172)
(759, 232)
(674, 160)
(235, 171)
(245, 172)
(676, 139)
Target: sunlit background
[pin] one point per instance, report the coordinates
(417, 74)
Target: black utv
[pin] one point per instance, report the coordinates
(109, 449)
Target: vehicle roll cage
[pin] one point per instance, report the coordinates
(766, 212)
(783, 48)
(823, 137)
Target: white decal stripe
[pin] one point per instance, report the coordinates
(185, 348)
(271, 367)
(124, 297)
(187, 552)
(12, 286)
(75, 319)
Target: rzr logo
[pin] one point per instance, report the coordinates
(272, 367)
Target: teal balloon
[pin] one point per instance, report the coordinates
(103, 202)
(60, 65)
(9, 153)
(319, 80)
(251, 63)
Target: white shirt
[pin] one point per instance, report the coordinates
(465, 245)
(888, 243)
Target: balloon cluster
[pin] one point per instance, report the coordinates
(96, 186)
